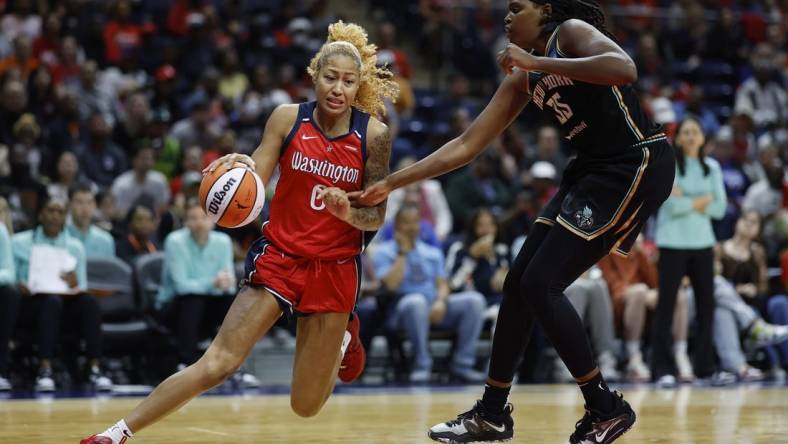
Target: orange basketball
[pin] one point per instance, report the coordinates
(232, 197)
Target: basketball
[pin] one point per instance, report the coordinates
(232, 197)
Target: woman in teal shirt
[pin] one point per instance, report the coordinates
(73, 308)
(685, 239)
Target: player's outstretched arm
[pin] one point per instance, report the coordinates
(595, 58)
(376, 169)
(264, 158)
(505, 105)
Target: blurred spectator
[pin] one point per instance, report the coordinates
(165, 98)
(766, 196)
(479, 262)
(733, 320)
(132, 124)
(67, 176)
(65, 70)
(99, 157)
(45, 46)
(45, 310)
(192, 163)
(97, 242)
(20, 19)
(233, 83)
(12, 105)
(141, 180)
(428, 196)
(761, 98)
(590, 298)
(26, 143)
(92, 99)
(198, 281)
(121, 35)
(9, 303)
(224, 145)
(166, 147)
(548, 149)
(387, 41)
(64, 130)
(197, 129)
(685, 239)
(415, 273)
(632, 282)
(140, 239)
(42, 96)
(22, 62)
(477, 186)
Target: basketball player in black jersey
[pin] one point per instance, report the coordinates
(563, 61)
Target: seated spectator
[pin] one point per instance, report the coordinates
(415, 273)
(192, 163)
(233, 82)
(197, 129)
(477, 186)
(13, 103)
(27, 143)
(743, 260)
(121, 35)
(760, 97)
(132, 124)
(590, 298)
(166, 147)
(9, 303)
(139, 181)
(632, 282)
(93, 99)
(99, 157)
(224, 145)
(428, 196)
(478, 262)
(67, 176)
(140, 240)
(766, 195)
(197, 282)
(97, 242)
(548, 149)
(21, 62)
(46, 308)
(733, 320)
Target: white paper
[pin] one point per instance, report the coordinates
(47, 263)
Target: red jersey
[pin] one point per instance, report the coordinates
(299, 223)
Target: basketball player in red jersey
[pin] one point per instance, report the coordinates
(306, 263)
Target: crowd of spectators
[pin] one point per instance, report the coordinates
(110, 110)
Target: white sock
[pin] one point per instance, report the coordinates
(118, 432)
(633, 348)
(680, 348)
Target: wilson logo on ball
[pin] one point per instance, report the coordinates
(218, 196)
(232, 197)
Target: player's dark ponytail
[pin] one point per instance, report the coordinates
(588, 11)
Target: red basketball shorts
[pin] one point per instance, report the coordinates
(303, 285)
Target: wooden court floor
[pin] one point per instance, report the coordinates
(543, 414)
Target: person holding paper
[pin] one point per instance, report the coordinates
(51, 276)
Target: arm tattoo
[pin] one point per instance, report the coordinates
(377, 168)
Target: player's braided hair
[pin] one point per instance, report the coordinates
(375, 82)
(588, 11)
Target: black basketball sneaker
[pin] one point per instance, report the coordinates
(596, 428)
(476, 425)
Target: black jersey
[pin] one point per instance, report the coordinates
(599, 121)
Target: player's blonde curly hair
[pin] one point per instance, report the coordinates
(375, 83)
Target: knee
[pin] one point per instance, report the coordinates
(215, 368)
(476, 303)
(536, 286)
(305, 408)
(414, 304)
